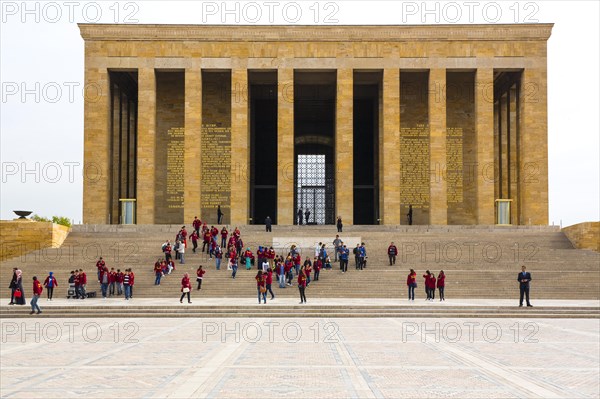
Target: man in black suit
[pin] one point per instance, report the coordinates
(524, 278)
(268, 224)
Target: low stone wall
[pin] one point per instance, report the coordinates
(584, 235)
(19, 237)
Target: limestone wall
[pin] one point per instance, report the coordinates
(19, 237)
(584, 235)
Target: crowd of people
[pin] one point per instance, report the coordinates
(112, 282)
(270, 266)
(430, 284)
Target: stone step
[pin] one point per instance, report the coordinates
(260, 311)
(552, 262)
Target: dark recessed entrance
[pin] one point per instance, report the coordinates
(314, 138)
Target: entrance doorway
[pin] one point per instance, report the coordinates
(314, 145)
(311, 188)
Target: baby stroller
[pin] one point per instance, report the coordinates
(71, 291)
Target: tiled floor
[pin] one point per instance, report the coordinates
(272, 358)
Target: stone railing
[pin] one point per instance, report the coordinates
(584, 235)
(19, 237)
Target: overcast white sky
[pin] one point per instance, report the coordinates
(41, 66)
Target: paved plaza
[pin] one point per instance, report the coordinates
(300, 357)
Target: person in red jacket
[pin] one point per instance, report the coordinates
(426, 276)
(37, 292)
(199, 275)
(260, 286)
(411, 282)
(288, 265)
(302, 285)
(50, 283)
(248, 256)
(392, 252)
(307, 271)
(432, 281)
(206, 238)
(196, 224)
(269, 282)
(271, 257)
(99, 265)
(184, 236)
(186, 288)
(224, 234)
(82, 283)
(120, 276)
(317, 266)
(194, 237)
(157, 272)
(441, 283)
(297, 261)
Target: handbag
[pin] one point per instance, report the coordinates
(18, 293)
(186, 289)
(263, 289)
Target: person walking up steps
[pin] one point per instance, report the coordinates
(269, 283)
(199, 276)
(37, 292)
(186, 288)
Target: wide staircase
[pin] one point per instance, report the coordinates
(479, 261)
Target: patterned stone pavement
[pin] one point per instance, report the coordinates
(311, 358)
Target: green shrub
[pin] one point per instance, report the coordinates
(64, 221)
(38, 218)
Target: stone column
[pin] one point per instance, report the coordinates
(437, 144)
(146, 145)
(533, 147)
(389, 149)
(344, 146)
(285, 146)
(484, 131)
(240, 146)
(96, 157)
(193, 127)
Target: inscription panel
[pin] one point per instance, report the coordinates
(215, 147)
(454, 166)
(170, 135)
(175, 168)
(414, 173)
(216, 167)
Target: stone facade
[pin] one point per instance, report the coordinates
(434, 57)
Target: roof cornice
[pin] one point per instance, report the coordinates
(315, 33)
